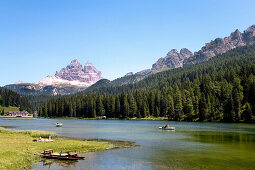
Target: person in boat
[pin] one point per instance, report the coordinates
(166, 126)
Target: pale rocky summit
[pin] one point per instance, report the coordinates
(75, 72)
(91, 73)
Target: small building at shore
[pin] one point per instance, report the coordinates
(17, 114)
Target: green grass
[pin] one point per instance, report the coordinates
(31, 133)
(18, 151)
(7, 109)
(19, 119)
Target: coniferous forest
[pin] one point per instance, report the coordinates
(219, 90)
(10, 98)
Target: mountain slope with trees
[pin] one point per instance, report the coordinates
(12, 99)
(222, 89)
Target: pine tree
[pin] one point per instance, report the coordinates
(247, 113)
(124, 106)
(70, 110)
(178, 105)
(117, 108)
(203, 108)
(170, 113)
(132, 106)
(100, 107)
(45, 110)
(237, 95)
(112, 107)
(188, 107)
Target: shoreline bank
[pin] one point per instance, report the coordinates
(18, 151)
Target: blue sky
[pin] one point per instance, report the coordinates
(39, 37)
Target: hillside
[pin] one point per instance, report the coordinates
(221, 89)
(231, 59)
(175, 59)
(11, 101)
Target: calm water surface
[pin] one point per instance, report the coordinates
(190, 146)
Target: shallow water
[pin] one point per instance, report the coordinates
(190, 146)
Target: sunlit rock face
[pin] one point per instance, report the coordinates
(74, 74)
(173, 59)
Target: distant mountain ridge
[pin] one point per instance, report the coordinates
(176, 59)
(222, 45)
(77, 78)
(185, 57)
(69, 80)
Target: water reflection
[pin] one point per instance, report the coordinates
(190, 146)
(51, 163)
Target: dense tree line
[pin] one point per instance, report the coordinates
(10, 98)
(222, 89)
(39, 100)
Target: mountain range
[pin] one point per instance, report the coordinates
(69, 80)
(175, 59)
(185, 57)
(75, 78)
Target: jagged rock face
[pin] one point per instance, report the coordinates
(75, 72)
(173, 59)
(129, 74)
(144, 72)
(222, 45)
(91, 73)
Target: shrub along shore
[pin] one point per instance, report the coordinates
(18, 151)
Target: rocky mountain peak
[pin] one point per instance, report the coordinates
(173, 52)
(74, 65)
(129, 74)
(250, 29)
(236, 35)
(89, 67)
(173, 59)
(75, 72)
(249, 35)
(186, 53)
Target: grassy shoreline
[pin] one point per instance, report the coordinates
(18, 151)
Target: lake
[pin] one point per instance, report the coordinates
(191, 146)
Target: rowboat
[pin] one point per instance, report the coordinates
(62, 156)
(58, 124)
(167, 128)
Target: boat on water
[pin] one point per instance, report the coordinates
(62, 156)
(58, 124)
(167, 127)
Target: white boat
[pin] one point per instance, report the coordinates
(58, 124)
(167, 128)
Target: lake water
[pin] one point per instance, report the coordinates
(190, 146)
